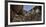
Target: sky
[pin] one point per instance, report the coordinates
(27, 7)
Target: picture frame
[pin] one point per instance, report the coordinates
(7, 11)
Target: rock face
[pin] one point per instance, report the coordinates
(14, 11)
(36, 11)
(17, 14)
